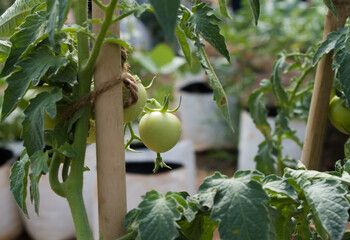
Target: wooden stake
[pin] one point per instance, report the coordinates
(110, 139)
(318, 114)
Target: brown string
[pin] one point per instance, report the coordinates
(125, 77)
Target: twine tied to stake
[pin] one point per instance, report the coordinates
(125, 77)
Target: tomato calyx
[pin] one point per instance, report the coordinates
(164, 107)
(159, 163)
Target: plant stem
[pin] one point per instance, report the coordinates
(56, 186)
(299, 81)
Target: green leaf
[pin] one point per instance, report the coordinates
(326, 46)
(181, 37)
(331, 7)
(258, 113)
(239, 206)
(5, 48)
(15, 15)
(130, 217)
(343, 73)
(30, 71)
(313, 175)
(219, 93)
(57, 11)
(282, 219)
(329, 206)
(255, 8)
(278, 185)
(166, 13)
(276, 83)
(33, 124)
(19, 181)
(265, 161)
(116, 40)
(201, 228)
(29, 32)
(38, 165)
(204, 21)
(158, 217)
(67, 150)
(223, 8)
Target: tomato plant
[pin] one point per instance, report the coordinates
(339, 114)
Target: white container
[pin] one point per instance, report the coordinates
(182, 178)
(55, 221)
(251, 137)
(202, 121)
(10, 222)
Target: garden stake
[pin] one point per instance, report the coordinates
(318, 114)
(109, 138)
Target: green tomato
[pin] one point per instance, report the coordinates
(160, 131)
(132, 112)
(339, 115)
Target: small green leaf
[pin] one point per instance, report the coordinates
(223, 8)
(29, 32)
(33, 124)
(326, 46)
(158, 217)
(116, 40)
(219, 93)
(166, 13)
(255, 8)
(278, 185)
(19, 181)
(331, 7)
(181, 37)
(265, 161)
(67, 150)
(343, 73)
(239, 206)
(130, 217)
(30, 71)
(57, 11)
(329, 206)
(201, 228)
(5, 48)
(205, 22)
(15, 15)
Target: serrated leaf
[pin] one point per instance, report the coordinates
(219, 93)
(343, 73)
(278, 185)
(15, 15)
(67, 150)
(276, 83)
(258, 113)
(33, 124)
(239, 207)
(34, 192)
(5, 48)
(265, 161)
(326, 46)
(158, 217)
(166, 13)
(281, 218)
(201, 228)
(329, 206)
(313, 175)
(205, 22)
(19, 181)
(29, 32)
(223, 8)
(331, 7)
(116, 40)
(255, 9)
(57, 11)
(181, 37)
(30, 71)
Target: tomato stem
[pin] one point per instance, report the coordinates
(159, 163)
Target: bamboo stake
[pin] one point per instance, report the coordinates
(110, 139)
(318, 114)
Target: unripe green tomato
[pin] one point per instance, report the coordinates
(339, 115)
(133, 111)
(160, 131)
